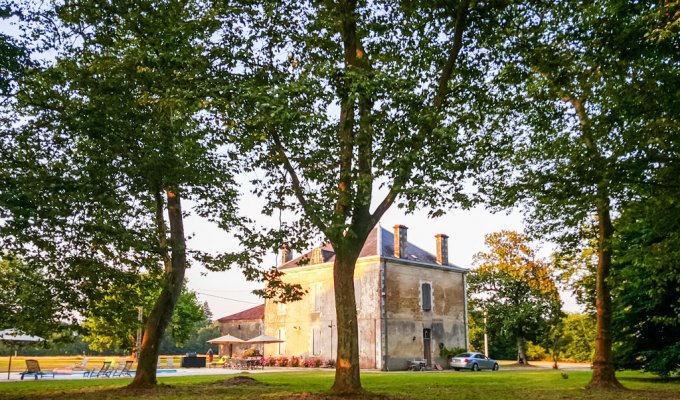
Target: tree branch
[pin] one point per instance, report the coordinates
(457, 45)
(438, 102)
(297, 186)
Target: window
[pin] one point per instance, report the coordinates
(426, 292)
(282, 345)
(316, 290)
(316, 341)
(281, 308)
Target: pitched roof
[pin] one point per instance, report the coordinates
(379, 237)
(256, 312)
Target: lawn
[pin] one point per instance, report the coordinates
(524, 385)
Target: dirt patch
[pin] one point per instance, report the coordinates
(239, 381)
(517, 365)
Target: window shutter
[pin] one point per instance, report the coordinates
(426, 290)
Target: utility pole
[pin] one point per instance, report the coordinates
(140, 318)
(486, 338)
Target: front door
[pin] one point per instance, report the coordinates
(427, 347)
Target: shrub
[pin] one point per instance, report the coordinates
(312, 363)
(449, 353)
(295, 361)
(330, 363)
(282, 362)
(269, 361)
(535, 352)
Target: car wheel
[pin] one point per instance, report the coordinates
(456, 369)
(475, 367)
(495, 367)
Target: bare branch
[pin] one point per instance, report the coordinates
(297, 186)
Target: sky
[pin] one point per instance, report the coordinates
(228, 292)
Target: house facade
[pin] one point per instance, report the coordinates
(410, 303)
(245, 325)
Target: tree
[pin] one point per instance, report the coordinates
(646, 275)
(13, 57)
(114, 140)
(112, 323)
(593, 99)
(514, 289)
(350, 107)
(27, 301)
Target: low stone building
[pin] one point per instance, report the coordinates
(244, 325)
(410, 303)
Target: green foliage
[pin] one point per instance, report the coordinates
(188, 315)
(578, 333)
(197, 342)
(448, 353)
(27, 299)
(647, 277)
(113, 322)
(536, 352)
(513, 288)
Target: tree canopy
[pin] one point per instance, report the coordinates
(594, 102)
(514, 290)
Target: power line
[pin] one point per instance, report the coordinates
(227, 298)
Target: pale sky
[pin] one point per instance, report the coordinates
(228, 292)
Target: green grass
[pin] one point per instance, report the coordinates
(524, 385)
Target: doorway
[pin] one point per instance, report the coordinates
(427, 346)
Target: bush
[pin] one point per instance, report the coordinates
(282, 362)
(449, 353)
(269, 361)
(535, 352)
(312, 363)
(295, 361)
(330, 363)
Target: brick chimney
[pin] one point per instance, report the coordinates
(400, 242)
(442, 249)
(286, 254)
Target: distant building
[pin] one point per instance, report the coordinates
(244, 325)
(410, 303)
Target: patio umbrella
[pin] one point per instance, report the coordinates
(13, 337)
(264, 339)
(227, 339)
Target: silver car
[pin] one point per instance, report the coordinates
(473, 361)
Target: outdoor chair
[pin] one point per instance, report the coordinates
(105, 370)
(81, 365)
(33, 368)
(125, 370)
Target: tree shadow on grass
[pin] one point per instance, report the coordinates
(650, 379)
(239, 387)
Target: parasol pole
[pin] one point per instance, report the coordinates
(9, 367)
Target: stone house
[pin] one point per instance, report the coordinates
(410, 303)
(244, 325)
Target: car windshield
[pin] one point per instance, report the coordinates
(461, 355)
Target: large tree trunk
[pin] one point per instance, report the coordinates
(347, 380)
(162, 311)
(521, 350)
(603, 366)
